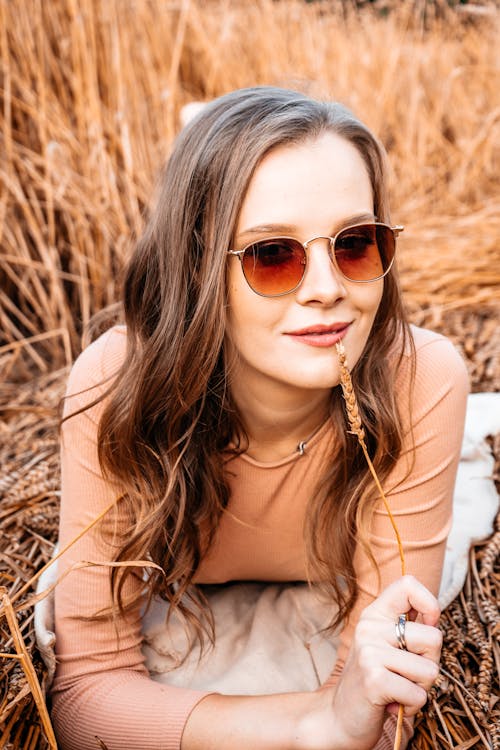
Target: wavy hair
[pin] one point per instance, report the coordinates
(169, 415)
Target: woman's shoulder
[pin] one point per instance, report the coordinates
(99, 362)
(431, 346)
(435, 362)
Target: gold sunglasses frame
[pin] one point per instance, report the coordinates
(396, 230)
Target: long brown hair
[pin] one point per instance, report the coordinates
(169, 415)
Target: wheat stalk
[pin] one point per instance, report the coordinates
(24, 658)
(358, 430)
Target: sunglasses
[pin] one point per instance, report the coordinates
(277, 265)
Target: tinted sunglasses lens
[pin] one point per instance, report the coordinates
(274, 267)
(364, 253)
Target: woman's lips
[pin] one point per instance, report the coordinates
(322, 336)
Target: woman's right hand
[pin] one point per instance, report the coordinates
(378, 675)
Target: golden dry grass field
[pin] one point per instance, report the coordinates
(89, 104)
(90, 98)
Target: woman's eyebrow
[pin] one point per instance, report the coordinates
(292, 229)
(356, 219)
(268, 229)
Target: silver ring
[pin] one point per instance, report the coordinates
(400, 632)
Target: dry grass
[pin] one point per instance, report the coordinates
(464, 704)
(90, 95)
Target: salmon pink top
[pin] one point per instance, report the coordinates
(105, 691)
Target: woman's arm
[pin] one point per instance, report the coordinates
(350, 711)
(420, 488)
(102, 687)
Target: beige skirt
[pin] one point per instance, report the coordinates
(269, 638)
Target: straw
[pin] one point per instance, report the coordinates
(29, 503)
(90, 98)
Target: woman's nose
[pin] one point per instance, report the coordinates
(322, 282)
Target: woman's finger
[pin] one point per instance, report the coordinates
(376, 660)
(412, 667)
(398, 689)
(404, 595)
(424, 640)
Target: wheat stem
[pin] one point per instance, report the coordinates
(61, 552)
(357, 429)
(28, 668)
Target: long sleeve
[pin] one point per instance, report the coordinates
(102, 688)
(420, 487)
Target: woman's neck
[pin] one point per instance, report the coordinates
(276, 426)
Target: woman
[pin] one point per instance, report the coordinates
(216, 416)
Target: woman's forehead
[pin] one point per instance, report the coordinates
(318, 181)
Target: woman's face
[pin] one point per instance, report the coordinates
(303, 191)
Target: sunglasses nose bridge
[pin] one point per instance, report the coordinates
(330, 241)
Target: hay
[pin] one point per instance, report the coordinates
(463, 710)
(29, 511)
(90, 95)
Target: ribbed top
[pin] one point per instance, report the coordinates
(103, 688)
